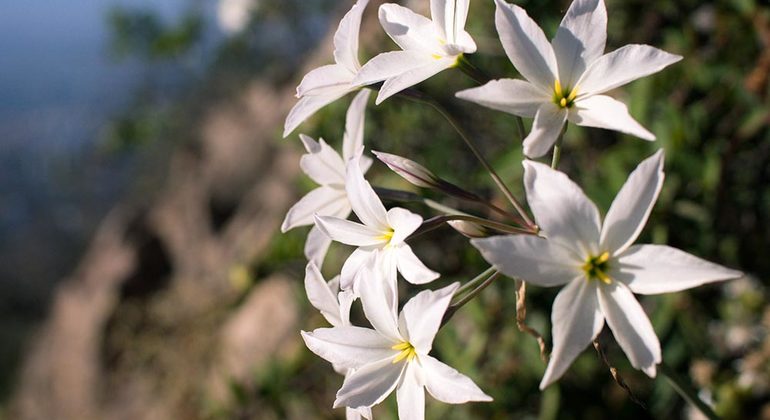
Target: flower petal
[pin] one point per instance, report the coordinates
(316, 246)
(353, 139)
(630, 326)
(323, 164)
(449, 18)
(346, 37)
(531, 258)
(576, 320)
(378, 300)
(580, 39)
(623, 65)
(403, 222)
(350, 268)
(408, 29)
(309, 105)
(350, 233)
(320, 295)
(526, 45)
(549, 121)
(632, 206)
(325, 80)
(410, 266)
(515, 97)
(347, 346)
(423, 69)
(604, 112)
(422, 314)
(561, 208)
(322, 200)
(448, 385)
(410, 394)
(654, 269)
(364, 201)
(370, 384)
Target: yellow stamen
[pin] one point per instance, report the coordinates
(407, 352)
(596, 268)
(436, 56)
(386, 236)
(557, 87)
(572, 94)
(563, 102)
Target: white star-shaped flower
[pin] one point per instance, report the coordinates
(394, 355)
(566, 78)
(327, 168)
(326, 84)
(383, 230)
(428, 46)
(596, 262)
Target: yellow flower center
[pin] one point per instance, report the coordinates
(596, 268)
(407, 351)
(387, 235)
(564, 98)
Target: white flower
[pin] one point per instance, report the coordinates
(381, 230)
(335, 307)
(429, 46)
(567, 77)
(597, 263)
(394, 355)
(326, 84)
(327, 168)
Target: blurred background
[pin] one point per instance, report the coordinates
(143, 181)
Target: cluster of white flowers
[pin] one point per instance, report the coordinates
(568, 244)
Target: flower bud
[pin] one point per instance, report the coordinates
(409, 170)
(469, 229)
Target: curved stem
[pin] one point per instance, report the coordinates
(472, 71)
(686, 392)
(465, 299)
(557, 149)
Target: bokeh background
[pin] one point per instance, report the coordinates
(143, 180)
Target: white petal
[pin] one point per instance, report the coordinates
(561, 208)
(410, 394)
(357, 414)
(346, 37)
(350, 233)
(324, 165)
(576, 320)
(448, 385)
(515, 97)
(353, 140)
(320, 296)
(410, 266)
(322, 200)
(421, 70)
(531, 258)
(654, 269)
(350, 268)
(408, 29)
(403, 222)
(370, 384)
(526, 45)
(308, 105)
(422, 314)
(604, 112)
(346, 299)
(630, 326)
(364, 201)
(378, 300)
(449, 18)
(325, 80)
(633, 204)
(580, 39)
(622, 66)
(316, 246)
(349, 347)
(548, 124)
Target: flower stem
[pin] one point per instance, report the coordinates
(471, 71)
(465, 299)
(476, 280)
(420, 97)
(437, 221)
(520, 126)
(686, 392)
(557, 149)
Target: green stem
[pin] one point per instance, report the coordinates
(686, 392)
(465, 299)
(473, 282)
(520, 126)
(435, 222)
(471, 71)
(557, 149)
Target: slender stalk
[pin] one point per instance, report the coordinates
(557, 149)
(465, 299)
(686, 392)
(435, 222)
(476, 280)
(472, 71)
(520, 126)
(419, 97)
